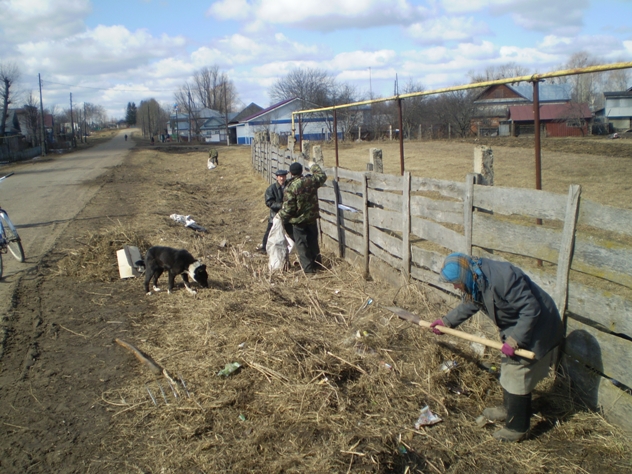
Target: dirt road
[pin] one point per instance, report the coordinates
(45, 195)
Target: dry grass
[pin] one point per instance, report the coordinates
(328, 382)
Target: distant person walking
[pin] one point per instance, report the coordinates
(300, 208)
(125, 137)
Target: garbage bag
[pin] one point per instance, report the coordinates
(279, 246)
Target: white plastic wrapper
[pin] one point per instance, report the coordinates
(426, 418)
(279, 246)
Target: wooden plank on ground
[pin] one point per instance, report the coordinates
(384, 219)
(453, 189)
(438, 234)
(605, 217)
(608, 354)
(599, 393)
(389, 243)
(520, 201)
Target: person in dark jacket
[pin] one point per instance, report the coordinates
(274, 200)
(527, 318)
(300, 208)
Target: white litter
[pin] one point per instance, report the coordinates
(426, 418)
(187, 221)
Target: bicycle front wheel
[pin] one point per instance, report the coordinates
(11, 236)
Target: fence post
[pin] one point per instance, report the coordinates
(406, 225)
(566, 248)
(365, 218)
(484, 164)
(375, 159)
(468, 211)
(338, 214)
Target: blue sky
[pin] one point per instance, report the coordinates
(111, 52)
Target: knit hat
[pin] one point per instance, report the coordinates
(296, 168)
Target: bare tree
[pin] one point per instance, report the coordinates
(9, 74)
(455, 109)
(314, 86)
(503, 71)
(618, 80)
(151, 117)
(31, 109)
(412, 108)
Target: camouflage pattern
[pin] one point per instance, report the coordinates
(300, 198)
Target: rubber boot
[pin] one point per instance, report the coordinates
(518, 418)
(498, 413)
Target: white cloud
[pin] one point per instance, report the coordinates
(361, 60)
(560, 16)
(440, 30)
(323, 15)
(35, 20)
(103, 50)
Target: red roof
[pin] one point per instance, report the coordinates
(524, 113)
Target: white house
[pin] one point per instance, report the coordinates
(278, 119)
(618, 109)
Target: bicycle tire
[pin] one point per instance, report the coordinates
(12, 238)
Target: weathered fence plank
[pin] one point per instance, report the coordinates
(605, 217)
(438, 234)
(608, 354)
(384, 182)
(600, 394)
(385, 219)
(566, 248)
(427, 258)
(451, 189)
(386, 200)
(450, 212)
(517, 201)
(391, 244)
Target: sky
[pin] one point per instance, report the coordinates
(112, 52)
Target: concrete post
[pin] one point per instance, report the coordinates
(317, 155)
(305, 148)
(484, 164)
(375, 159)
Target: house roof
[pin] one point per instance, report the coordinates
(546, 92)
(524, 113)
(618, 94)
(247, 112)
(269, 109)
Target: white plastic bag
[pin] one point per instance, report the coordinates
(279, 246)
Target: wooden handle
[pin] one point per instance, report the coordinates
(413, 318)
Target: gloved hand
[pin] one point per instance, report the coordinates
(509, 347)
(437, 322)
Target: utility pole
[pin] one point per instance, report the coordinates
(226, 115)
(189, 93)
(39, 77)
(72, 122)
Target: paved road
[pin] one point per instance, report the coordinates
(43, 196)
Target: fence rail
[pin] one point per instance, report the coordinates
(411, 223)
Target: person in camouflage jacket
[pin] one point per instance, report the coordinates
(300, 208)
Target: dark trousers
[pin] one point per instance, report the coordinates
(288, 229)
(306, 241)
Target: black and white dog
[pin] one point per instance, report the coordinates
(175, 262)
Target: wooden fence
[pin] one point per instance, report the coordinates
(409, 224)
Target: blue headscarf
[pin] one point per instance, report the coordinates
(461, 268)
